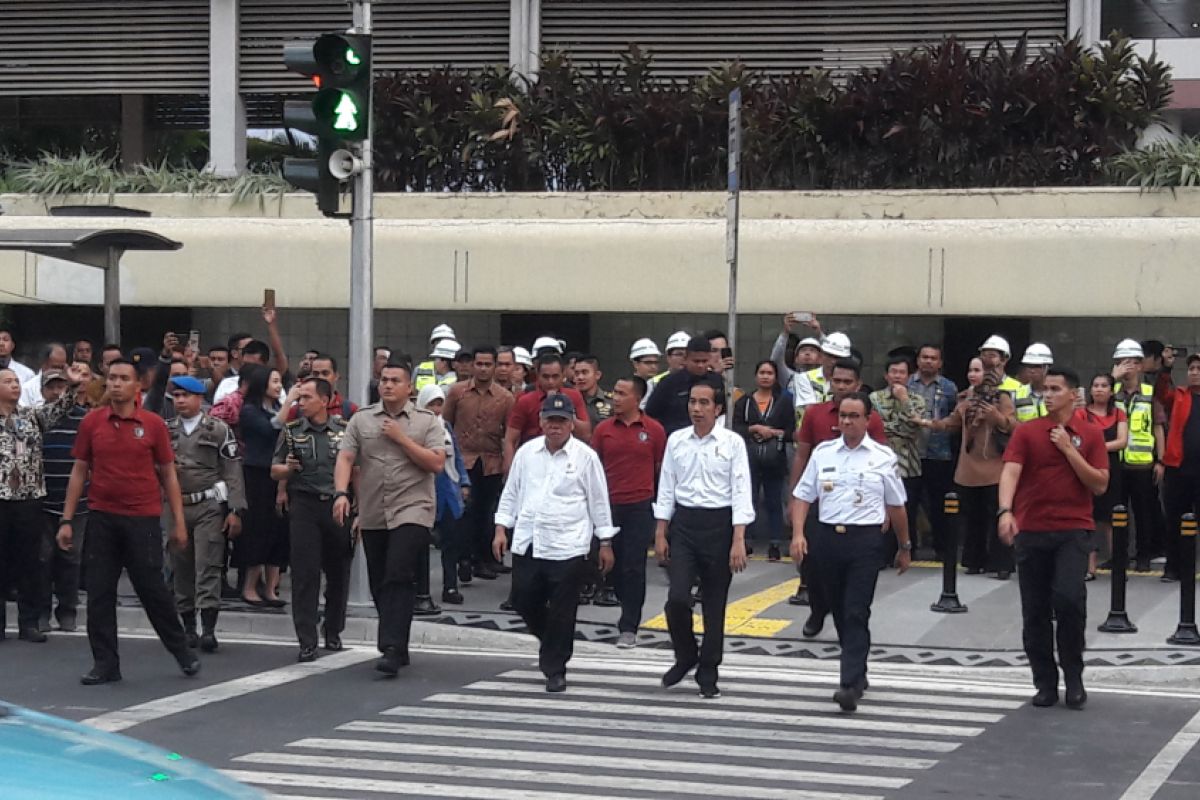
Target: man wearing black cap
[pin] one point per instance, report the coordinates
(555, 500)
(210, 480)
(669, 402)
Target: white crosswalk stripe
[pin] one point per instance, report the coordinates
(615, 734)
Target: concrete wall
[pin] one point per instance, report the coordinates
(1023, 266)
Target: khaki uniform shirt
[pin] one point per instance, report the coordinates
(317, 448)
(393, 491)
(206, 456)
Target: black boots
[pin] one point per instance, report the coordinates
(189, 628)
(208, 636)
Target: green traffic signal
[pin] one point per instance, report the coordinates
(352, 57)
(347, 114)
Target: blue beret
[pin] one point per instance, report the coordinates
(188, 384)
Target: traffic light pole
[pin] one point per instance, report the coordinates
(362, 294)
(362, 301)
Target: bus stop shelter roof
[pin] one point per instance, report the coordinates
(92, 247)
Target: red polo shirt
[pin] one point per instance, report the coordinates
(820, 424)
(632, 456)
(123, 454)
(526, 414)
(1050, 496)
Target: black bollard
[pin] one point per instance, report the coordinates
(1186, 633)
(1118, 620)
(948, 603)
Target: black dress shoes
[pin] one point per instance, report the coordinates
(425, 607)
(1076, 697)
(452, 596)
(813, 627)
(486, 572)
(189, 663)
(333, 643)
(676, 673)
(606, 598)
(31, 635)
(1045, 698)
(307, 654)
(97, 676)
(800, 598)
(556, 683)
(710, 691)
(847, 697)
(391, 662)
(464, 572)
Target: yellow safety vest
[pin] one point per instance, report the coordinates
(1028, 406)
(1140, 409)
(447, 379)
(425, 375)
(1010, 385)
(817, 378)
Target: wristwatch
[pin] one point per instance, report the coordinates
(906, 546)
(336, 495)
(64, 521)
(1001, 512)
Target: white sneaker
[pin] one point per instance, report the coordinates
(627, 640)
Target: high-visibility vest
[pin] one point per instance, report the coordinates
(1029, 406)
(1140, 409)
(1010, 385)
(426, 375)
(448, 379)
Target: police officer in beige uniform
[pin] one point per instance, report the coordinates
(210, 480)
(305, 456)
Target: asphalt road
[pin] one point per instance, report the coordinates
(478, 724)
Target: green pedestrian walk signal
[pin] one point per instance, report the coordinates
(339, 114)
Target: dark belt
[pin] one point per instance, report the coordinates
(839, 528)
(324, 498)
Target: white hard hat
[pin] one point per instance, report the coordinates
(836, 344)
(442, 331)
(447, 348)
(547, 343)
(997, 343)
(1037, 354)
(1128, 348)
(642, 348)
(678, 341)
(521, 356)
(809, 341)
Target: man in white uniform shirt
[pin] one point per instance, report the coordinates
(555, 499)
(859, 486)
(704, 496)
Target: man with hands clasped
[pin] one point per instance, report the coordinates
(1053, 466)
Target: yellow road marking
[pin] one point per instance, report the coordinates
(741, 616)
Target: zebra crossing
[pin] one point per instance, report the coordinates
(616, 733)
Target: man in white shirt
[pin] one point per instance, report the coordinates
(859, 487)
(53, 359)
(555, 499)
(7, 346)
(704, 495)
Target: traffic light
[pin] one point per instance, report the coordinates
(339, 114)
